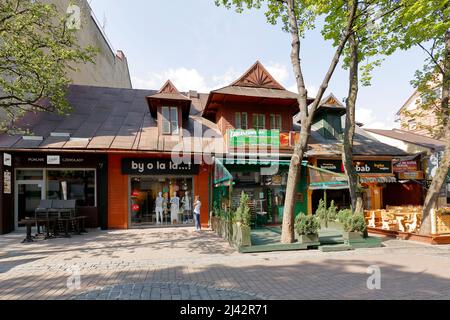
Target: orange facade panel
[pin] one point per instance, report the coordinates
(117, 194)
(201, 187)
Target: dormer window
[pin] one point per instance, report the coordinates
(170, 121)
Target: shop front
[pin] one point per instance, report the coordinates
(32, 177)
(376, 175)
(265, 187)
(155, 191)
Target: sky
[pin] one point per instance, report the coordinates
(203, 47)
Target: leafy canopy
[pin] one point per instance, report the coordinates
(37, 50)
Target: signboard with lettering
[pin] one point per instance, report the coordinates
(7, 182)
(252, 137)
(361, 166)
(55, 160)
(37, 160)
(377, 167)
(405, 166)
(416, 175)
(157, 167)
(7, 160)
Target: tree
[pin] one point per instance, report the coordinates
(297, 16)
(365, 44)
(37, 48)
(426, 23)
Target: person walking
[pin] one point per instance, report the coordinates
(197, 207)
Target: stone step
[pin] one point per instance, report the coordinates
(336, 248)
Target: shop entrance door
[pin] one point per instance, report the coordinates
(28, 197)
(147, 210)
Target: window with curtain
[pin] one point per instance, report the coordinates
(241, 120)
(170, 120)
(76, 185)
(259, 121)
(275, 122)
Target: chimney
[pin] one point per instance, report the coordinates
(193, 94)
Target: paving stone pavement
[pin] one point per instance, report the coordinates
(165, 291)
(164, 262)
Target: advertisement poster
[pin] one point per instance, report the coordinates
(7, 182)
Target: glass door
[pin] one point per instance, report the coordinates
(28, 199)
(29, 190)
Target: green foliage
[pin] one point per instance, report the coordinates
(322, 212)
(325, 214)
(37, 50)
(355, 223)
(343, 215)
(276, 11)
(332, 211)
(307, 225)
(242, 213)
(424, 23)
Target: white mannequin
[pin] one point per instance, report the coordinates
(174, 207)
(159, 203)
(186, 201)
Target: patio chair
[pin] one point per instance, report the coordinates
(388, 221)
(413, 223)
(371, 220)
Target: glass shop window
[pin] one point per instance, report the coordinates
(72, 185)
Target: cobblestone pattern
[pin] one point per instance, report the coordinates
(165, 291)
(119, 263)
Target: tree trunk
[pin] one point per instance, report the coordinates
(350, 125)
(306, 113)
(442, 171)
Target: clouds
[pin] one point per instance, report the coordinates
(186, 79)
(370, 121)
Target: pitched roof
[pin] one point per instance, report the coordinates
(364, 145)
(410, 137)
(331, 102)
(105, 119)
(258, 77)
(169, 91)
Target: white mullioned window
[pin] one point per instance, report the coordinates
(170, 120)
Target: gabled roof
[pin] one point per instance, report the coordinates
(256, 85)
(169, 92)
(331, 102)
(257, 77)
(106, 120)
(410, 137)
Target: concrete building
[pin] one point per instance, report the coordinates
(110, 67)
(413, 118)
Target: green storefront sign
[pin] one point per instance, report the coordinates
(244, 138)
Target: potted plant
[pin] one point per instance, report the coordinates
(322, 213)
(355, 228)
(341, 218)
(307, 228)
(242, 220)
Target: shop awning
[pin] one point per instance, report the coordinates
(221, 175)
(263, 162)
(322, 179)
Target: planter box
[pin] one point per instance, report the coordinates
(336, 225)
(353, 236)
(310, 238)
(241, 235)
(214, 224)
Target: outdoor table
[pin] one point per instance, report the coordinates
(400, 217)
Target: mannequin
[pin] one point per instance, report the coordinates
(159, 204)
(174, 208)
(186, 201)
